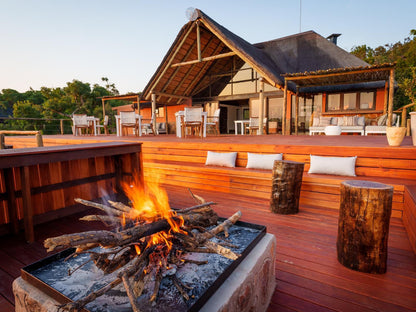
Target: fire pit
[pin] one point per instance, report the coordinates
(155, 259)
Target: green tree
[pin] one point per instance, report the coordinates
(401, 53)
(26, 109)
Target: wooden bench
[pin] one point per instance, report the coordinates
(184, 164)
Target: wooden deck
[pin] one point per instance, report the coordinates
(308, 275)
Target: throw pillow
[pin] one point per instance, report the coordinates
(324, 121)
(333, 165)
(350, 121)
(382, 120)
(221, 159)
(262, 161)
(361, 121)
(315, 122)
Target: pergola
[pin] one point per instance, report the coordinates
(340, 76)
(133, 97)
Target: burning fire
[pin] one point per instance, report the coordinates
(150, 203)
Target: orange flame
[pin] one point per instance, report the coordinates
(150, 203)
(138, 251)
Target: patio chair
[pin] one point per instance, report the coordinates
(128, 120)
(192, 119)
(215, 123)
(147, 128)
(254, 124)
(103, 126)
(79, 122)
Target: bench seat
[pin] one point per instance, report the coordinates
(317, 189)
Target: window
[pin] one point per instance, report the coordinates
(334, 102)
(350, 101)
(367, 100)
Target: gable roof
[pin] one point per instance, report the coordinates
(180, 74)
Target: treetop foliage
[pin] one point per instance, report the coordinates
(404, 55)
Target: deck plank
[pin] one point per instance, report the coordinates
(309, 278)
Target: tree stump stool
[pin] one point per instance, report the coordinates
(363, 225)
(286, 183)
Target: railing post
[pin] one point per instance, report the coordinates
(61, 122)
(39, 140)
(2, 141)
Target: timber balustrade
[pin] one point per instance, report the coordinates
(43, 181)
(37, 134)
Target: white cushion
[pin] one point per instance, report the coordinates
(333, 165)
(324, 121)
(221, 159)
(360, 121)
(262, 161)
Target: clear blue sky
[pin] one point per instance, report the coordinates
(50, 42)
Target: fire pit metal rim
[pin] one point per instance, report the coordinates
(59, 297)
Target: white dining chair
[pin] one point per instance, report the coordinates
(215, 122)
(192, 119)
(80, 122)
(103, 126)
(128, 120)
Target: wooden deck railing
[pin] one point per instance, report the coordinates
(38, 181)
(37, 134)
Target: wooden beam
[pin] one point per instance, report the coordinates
(243, 56)
(201, 72)
(170, 60)
(190, 70)
(171, 95)
(198, 40)
(205, 59)
(163, 89)
(349, 73)
(391, 95)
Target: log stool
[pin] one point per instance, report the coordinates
(363, 225)
(286, 183)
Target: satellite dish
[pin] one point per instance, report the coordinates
(191, 14)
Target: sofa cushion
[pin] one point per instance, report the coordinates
(324, 121)
(350, 121)
(333, 165)
(360, 121)
(262, 161)
(221, 159)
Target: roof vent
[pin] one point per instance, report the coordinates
(333, 38)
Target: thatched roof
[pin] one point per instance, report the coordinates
(223, 53)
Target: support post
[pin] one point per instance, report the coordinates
(261, 107)
(284, 109)
(363, 225)
(391, 95)
(27, 204)
(386, 96)
(61, 124)
(39, 141)
(297, 111)
(154, 113)
(103, 103)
